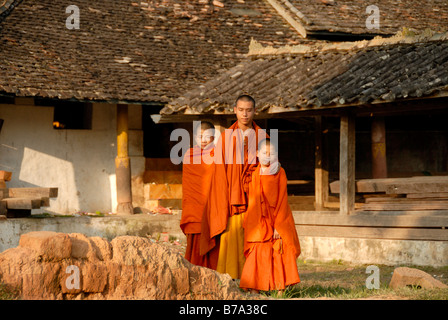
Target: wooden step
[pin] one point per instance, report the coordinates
(406, 200)
(160, 177)
(442, 205)
(429, 195)
(33, 192)
(337, 205)
(162, 191)
(381, 185)
(22, 203)
(417, 187)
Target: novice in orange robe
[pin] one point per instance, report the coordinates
(237, 146)
(197, 183)
(271, 244)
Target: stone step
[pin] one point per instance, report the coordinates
(154, 191)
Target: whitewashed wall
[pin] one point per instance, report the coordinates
(79, 162)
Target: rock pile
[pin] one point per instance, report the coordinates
(50, 265)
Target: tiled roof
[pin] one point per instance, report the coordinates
(6, 6)
(355, 73)
(129, 50)
(349, 16)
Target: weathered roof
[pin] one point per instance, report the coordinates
(349, 16)
(129, 50)
(304, 77)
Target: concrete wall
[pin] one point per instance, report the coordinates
(78, 162)
(375, 251)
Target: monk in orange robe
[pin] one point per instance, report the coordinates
(271, 243)
(238, 149)
(199, 200)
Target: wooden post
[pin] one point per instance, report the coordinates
(379, 163)
(320, 167)
(123, 163)
(347, 164)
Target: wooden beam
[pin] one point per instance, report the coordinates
(123, 163)
(320, 166)
(33, 192)
(378, 137)
(373, 233)
(337, 205)
(288, 17)
(22, 203)
(440, 205)
(427, 195)
(417, 187)
(381, 185)
(377, 219)
(347, 164)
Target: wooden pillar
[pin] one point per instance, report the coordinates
(123, 163)
(320, 167)
(379, 163)
(347, 164)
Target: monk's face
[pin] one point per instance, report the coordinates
(267, 154)
(245, 112)
(205, 137)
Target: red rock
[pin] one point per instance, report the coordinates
(48, 244)
(44, 264)
(404, 276)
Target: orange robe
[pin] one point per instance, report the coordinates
(239, 161)
(198, 221)
(270, 264)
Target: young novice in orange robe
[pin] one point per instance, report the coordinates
(271, 244)
(197, 179)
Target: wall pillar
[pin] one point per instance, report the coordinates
(347, 164)
(379, 163)
(123, 163)
(320, 166)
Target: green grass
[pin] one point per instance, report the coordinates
(341, 280)
(8, 293)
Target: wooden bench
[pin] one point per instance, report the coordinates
(402, 194)
(18, 202)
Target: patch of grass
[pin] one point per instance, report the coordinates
(8, 293)
(337, 279)
(42, 215)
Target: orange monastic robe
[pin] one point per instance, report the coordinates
(270, 264)
(199, 220)
(240, 160)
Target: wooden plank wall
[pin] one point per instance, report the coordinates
(418, 225)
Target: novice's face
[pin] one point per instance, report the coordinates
(267, 154)
(245, 112)
(205, 137)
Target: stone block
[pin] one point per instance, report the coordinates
(404, 276)
(48, 244)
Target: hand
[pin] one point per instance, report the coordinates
(276, 235)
